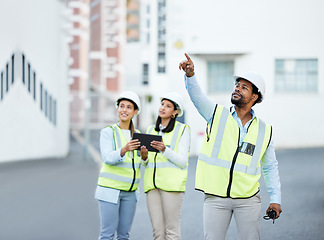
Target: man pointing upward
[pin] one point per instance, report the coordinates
(237, 146)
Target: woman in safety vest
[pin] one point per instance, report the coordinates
(166, 171)
(120, 171)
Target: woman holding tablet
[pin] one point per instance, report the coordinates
(166, 170)
(120, 171)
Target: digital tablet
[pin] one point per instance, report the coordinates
(146, 140)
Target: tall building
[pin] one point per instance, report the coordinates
(78, 12)
(105, 26)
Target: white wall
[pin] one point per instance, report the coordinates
(258, 32)
(36, 29)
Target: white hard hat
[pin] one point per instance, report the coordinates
(176, 99)
(256, 80)
(133, 97)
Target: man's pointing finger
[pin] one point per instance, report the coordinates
(188, 58)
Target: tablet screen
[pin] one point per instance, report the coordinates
(146, 140)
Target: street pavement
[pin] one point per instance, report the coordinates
(52, 199)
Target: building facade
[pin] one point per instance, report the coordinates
(101, 30)
(270, 38)
(78, 14)
(34, 60)
(137, 45)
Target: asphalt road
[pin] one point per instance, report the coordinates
(52, 199)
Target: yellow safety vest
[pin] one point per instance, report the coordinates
(162, 173)
(226, 169)
(124, 175)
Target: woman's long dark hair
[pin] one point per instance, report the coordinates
(172, 121)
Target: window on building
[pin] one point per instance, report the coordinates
(161, 62)
(296, 75)
(161, 47)
(161, 4)
(145, 74)
(34, 86)
(23, 68)
(220, 76)
(41, 96)
(12, 68)
(148, 38)
(132, 21)
(161, 35)
(7, 77)
(28, 77)
(46, 102)
(148, 24)
(50, 108)
(161, 31)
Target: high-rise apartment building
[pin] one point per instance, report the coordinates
(100, 31)
(79, 48)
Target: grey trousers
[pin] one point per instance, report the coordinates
(218, 213)
(165, 213)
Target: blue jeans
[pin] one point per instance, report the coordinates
(117, 216)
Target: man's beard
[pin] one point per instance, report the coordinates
(238, 102)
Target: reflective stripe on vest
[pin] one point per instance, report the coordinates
(252, 149)
(118, 139)
(164, 165)
(118, 177)
(159, 171)
(214, 160)
(124, 175)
